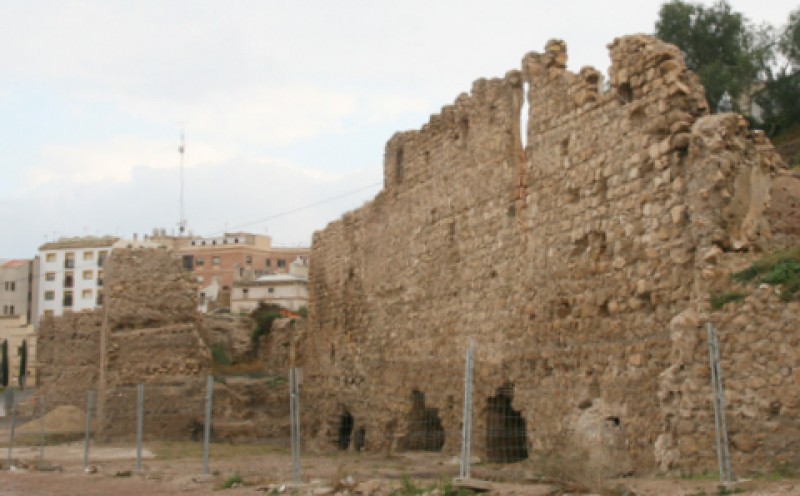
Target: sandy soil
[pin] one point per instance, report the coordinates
(176, 469)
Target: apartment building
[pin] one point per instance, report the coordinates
(70, 275)
(217, 261)
(16, 288)
(289, 290)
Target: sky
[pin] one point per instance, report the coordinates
(286, 105)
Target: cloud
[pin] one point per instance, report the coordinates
(263, 195)
(113, 161)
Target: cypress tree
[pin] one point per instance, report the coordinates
(4, 364)
(23, 363)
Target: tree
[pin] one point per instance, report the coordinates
(23, 363)
(4, 364)
(789, 43)
(719, 45)
(780, 98)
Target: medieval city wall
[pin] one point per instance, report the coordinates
(570, 262)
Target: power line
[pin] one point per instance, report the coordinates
(274, 216)
(304, 207)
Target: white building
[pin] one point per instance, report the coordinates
(290, 291)
(70, 275)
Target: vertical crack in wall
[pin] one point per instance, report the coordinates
(520, 109)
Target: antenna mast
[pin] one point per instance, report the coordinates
(182, 150)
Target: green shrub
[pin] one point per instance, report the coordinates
(219, 355)
(718, 300)
(779, 269)
(264, 315)
(232, 481)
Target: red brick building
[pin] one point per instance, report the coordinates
(215, 260)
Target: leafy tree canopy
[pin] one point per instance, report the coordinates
(720, 46)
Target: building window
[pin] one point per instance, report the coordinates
(267, 262)
(99, 298)
(68, 280)
(49, 276)
(11, 309)
(67, 298)
(86, 294)
(245, 292)
(50, 257)
(215, 260)
(270, 290)
(99, 277)
(88, 275)
(281, 263)
(101, 258)
(88, 255)
(49, 295)
(69, 260)
(49, 314)
(11, 286)
(248, 259)
(199, 262)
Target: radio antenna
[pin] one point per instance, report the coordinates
(182, 151)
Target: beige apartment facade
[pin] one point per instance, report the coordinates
(289, 291)
(16, 288)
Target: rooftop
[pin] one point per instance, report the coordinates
(13, 264)
(80, 242)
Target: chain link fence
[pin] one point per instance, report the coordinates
(486, 433)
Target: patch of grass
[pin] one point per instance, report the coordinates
(252, 369)
(781, 471)
(219, 356)
(275, 381)
(778, 269)
(410, 488)
(718, 300)
(176, 450)
(232, 481)
(702, 476)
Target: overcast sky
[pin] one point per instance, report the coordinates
(284, 104)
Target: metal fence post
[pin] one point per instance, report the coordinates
(718, 397)
(466, 435)
(139, 425)
(11, 427)
(294, 414)
(41, 431)
(207, 425)
(89, 408)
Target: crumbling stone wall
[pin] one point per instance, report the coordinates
(147, 332)
(564, 260)
(69, 355)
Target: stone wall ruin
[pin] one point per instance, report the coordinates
(580, 264)
(148, 331)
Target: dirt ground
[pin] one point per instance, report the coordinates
(175, 468)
